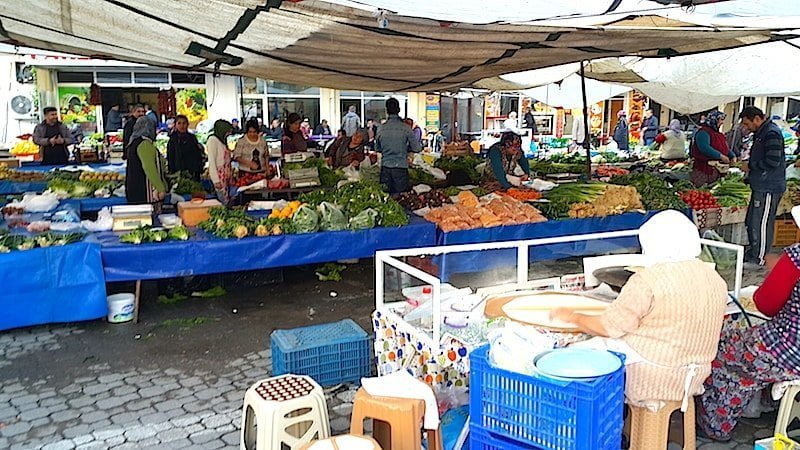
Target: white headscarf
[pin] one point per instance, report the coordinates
(669, 236)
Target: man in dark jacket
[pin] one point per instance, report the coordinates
(649, 128)
(52, 137)
(184, 153)
(136, 112)
(766, 173)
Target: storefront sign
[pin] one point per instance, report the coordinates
(432, 112)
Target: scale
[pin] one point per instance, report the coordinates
(130, 217)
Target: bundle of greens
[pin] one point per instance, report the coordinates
(731, 191)
(228, 223)
(656, 193)
(146, 235)
(10, 242)
(184, 184)
(543, 167)
(354, 198)
(561, 199)
(466, 163)
(418, 176)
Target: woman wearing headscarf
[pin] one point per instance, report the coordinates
(507, 164)
(144, 181)
(709, 148)
(350, 152)
(219, 159)
(621, 131)
(672, 142)
(666, 319)
(751, 359)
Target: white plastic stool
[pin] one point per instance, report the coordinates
(788, 410)
(288, 411)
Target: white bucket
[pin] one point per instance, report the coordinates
(120, 308)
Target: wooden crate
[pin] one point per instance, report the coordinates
(786, 233)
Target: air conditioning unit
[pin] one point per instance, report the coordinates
(22, 106)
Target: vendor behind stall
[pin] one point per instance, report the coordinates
(709, 146)
(251, 151)
(350, 152)
(184, 153)
(144, 179)
(293, 140)
(219, 159)
(507, 166)
(667, 318)
(52, 137)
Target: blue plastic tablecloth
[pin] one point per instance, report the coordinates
(39, 167)
(13, 187)
(91, 204)
(205, 254)
(486, 260)
(54, 284)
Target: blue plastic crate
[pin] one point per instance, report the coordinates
(480, 439)
(543, 412)
(330, 353)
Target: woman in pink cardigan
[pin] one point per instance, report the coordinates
(667, 318)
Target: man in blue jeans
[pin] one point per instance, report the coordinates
(766, 174)
(394, 141)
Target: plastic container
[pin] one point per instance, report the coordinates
(541, 412)
(480, 439)
(330, 353)
(120, 308)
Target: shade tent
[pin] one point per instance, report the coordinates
(567, 93)
(686, 84)
(339, 44)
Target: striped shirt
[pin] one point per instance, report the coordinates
(781, 335)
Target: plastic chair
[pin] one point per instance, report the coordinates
(283, 412)
(788, 410)
(650, 430)
(396, 421)
(341, 442)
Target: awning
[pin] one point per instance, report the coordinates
(340, 44)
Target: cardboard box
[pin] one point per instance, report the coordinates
(11, 163)
(194, 212)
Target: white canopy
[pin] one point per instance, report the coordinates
(339, 44)
(686, 84)
(567, 93)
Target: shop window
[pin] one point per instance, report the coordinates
(75, 77)
(376, 109)
(251, 85)
(775, 106)
(276, 87)
(345, 104)
(476, 115)
(446, 116)
(749, 101)
(188, 78)
(151, 77)
(353, 94)
(509, 104)
(114, 77)
(253, 108)
(306, 107)
(793, 110)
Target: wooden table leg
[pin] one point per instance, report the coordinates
(136, 296)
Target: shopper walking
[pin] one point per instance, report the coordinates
(621, 132)
(151, 114)
(766, 176)
(394, 141)
(351, 122)
(649, 128)
(114, 119)
(52, 137)
(127, 132)
(144, 178)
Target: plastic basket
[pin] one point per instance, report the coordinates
(480, 439)
(786, 233)
(330, 353)
(543, 412)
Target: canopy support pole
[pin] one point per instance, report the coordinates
(587, 140)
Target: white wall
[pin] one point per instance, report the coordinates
(10, 125)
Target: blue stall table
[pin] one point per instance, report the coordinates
(39, 167)
(207, 254)
(13, 187)
(93, 204)
(486, 260)
(50, 285)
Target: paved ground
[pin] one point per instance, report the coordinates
(177, 378)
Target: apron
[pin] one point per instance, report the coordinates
(633, 357)
(54, 154)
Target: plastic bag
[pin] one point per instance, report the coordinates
(38, 203)
(723, 259)
(306, 220)
(331, 217)
(104, 221)
(514, 347)
(352, 173)
(365, 219)
(369, 172)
